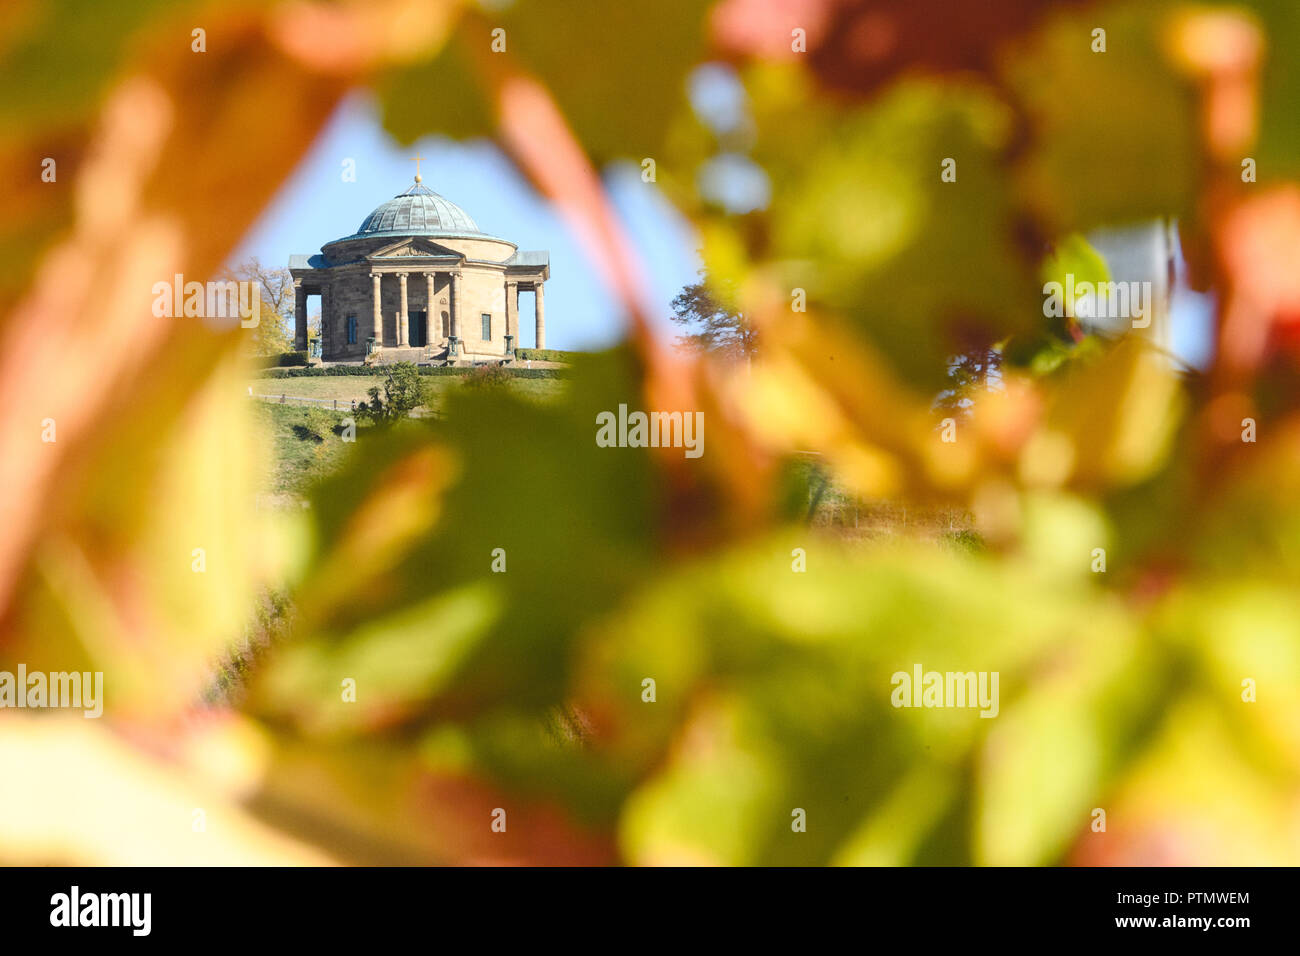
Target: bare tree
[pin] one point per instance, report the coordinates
(276, 284)
(273, 334)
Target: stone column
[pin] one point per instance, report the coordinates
(541, 317)
(512, 311)
(325, 317)
(455, 305)
(299, 316)
(377, 329)
(402, 314)
(430, 310)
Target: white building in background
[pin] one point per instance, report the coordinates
(1150, 252)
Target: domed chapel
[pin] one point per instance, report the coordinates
(418, 281)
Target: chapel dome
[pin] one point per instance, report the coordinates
(418, 211)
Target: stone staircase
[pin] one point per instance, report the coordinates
(390, 355)
(418, 356)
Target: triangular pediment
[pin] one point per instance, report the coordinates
(415, 248)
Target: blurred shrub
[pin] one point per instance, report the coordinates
(287, 359)
(317, 423)
(400, 393)
(488, 376)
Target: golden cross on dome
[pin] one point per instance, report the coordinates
(416, 160)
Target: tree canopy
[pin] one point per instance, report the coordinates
(713, 325)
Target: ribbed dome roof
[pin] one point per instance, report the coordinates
(419, 211)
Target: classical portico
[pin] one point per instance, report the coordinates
(419, 281)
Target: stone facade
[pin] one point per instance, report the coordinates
(417, 277)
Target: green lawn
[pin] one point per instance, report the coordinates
(305, 445)
(348, 387)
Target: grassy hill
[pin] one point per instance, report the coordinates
(346, 388)
(305, 444)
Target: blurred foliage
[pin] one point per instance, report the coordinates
(496, 590)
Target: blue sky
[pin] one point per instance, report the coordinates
(316, 205)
